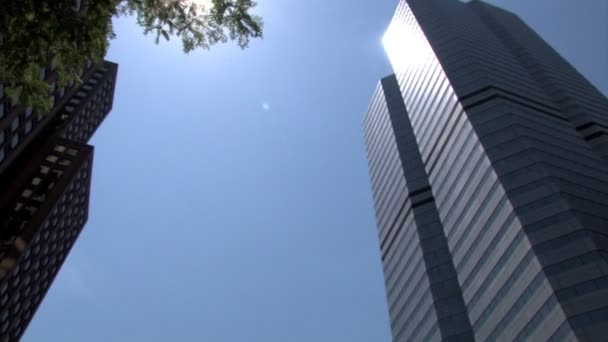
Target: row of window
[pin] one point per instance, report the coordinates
(82, 123)
(518, 306)
(35, 193)
(506, 225)
(19, 127)
(430, 313)
(498, 268)
(424, 302)
(23, 122)
(30, 279)
(537, 319)
(575, 262)
(504, 290)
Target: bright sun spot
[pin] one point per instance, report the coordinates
(265, 106)
(404, 47)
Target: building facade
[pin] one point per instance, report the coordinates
(488, 158)
(45, 177)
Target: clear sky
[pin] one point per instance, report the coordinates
(230, 197)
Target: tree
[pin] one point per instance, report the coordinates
(64, 35)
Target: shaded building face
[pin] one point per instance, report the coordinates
(45, 179)
(487, 149)
(41, 219)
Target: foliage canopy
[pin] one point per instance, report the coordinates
(65, 34)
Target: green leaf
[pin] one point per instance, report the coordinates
(41, 34)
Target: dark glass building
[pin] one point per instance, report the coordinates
(488, 158)
(45, 177)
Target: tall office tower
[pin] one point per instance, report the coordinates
(45, 176)
(488, 158)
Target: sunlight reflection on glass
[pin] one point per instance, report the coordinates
(404, 47)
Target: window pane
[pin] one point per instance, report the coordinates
(15, 124)
(52, 158)
(64, 162)
(28, 126)
(15, 140)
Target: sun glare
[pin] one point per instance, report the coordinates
(404, 47)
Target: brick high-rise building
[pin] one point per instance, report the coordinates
(45, 176)
(488, 158)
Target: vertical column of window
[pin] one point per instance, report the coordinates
(2, 101)
(2, 131)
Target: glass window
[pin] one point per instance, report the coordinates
(28, 112)
(52, 99)
(60, 148)
(42, 74)
(26, 193)
(52, 158)
(61, 91)
(72, 152)
(15, 124)
(28, 126)
(64, 162)
(52, 87)
(81, 93)
(36, 180)
(44, 169)
(39, 198)
(69, 109)
(15, 140)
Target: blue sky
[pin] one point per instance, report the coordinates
(231, 199)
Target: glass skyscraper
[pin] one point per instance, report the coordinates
(488, 159)
(45, 177)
